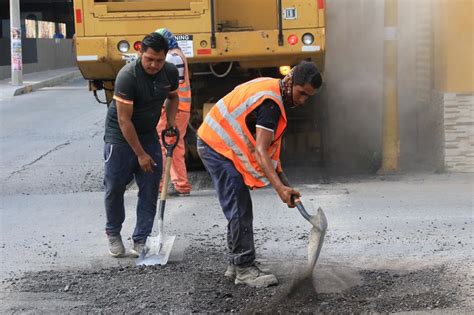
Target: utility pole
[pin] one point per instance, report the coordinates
(391, 132)
(15, 43)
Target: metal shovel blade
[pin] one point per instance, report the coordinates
(305, 281)
(160, 246)
(317, 233)
(316, 239)
(159, 253)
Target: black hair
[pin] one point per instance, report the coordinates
(155, 41)
(307, 72)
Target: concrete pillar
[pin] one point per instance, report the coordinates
(391, 134)
(15, 43)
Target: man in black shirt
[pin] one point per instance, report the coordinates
(132, 149)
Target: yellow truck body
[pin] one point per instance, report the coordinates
(254, 37)
(243, 31)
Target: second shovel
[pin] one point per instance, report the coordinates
(160, 246)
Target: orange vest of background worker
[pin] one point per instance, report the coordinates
(179, 176)
(239, 143)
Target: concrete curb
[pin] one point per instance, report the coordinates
(48, 82)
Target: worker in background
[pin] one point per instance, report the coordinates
(132, 149)
(179, 175)
(239, 143)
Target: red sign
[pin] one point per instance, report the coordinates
(204, 51)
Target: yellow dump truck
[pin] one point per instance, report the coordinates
(226, 42)
(250, 34)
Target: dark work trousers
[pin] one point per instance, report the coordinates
(235, 201)
(121, 166)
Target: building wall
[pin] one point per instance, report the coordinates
(48, 55)
(435, 84)
(458, 131)
(454, 80)
(353, 91)
(454, 45)
(429, 115)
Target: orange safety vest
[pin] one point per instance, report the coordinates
(224, 129)
(184, 89)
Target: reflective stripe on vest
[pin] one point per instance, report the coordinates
(230, 143)
(239, 110)
(184, 92)
(225, 130)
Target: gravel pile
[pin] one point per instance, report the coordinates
(197, 285)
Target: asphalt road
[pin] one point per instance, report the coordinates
(405, 239)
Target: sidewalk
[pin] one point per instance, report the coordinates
(37, 80)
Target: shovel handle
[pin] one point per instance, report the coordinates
(166, 178)
(170, 132)
(302, 210)
(166, 171)
(169, 154)
(300, 207)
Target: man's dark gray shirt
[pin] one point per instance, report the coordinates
(147, 94)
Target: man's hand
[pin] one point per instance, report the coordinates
(146, 163)
(286, 193)
(171, 132)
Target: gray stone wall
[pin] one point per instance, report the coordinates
(430, 155)
(49, 55)
(459, 131)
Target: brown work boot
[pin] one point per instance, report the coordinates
(230, 272)
(138, 249)
(254, 277)
(173, 192)
(116, 248)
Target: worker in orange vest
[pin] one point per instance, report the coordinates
(179, 176)
(239, 143)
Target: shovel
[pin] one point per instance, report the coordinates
(160, 246)
(305, 282)
(318, 231)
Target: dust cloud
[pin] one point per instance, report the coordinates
(353, 99)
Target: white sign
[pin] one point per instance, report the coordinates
(310, 48)
(88, 58)
(16, 59)
(129, 57)
(290, 14)
(185, 43)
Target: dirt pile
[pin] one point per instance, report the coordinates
(197, 285)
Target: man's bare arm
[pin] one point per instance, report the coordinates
(264, 139)
(124, 113)
(283, 178)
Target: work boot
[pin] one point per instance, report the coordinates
(138, 248)
(173, 192)
(116, 247)
(230, 272)
(254, 277)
